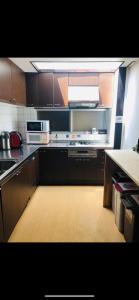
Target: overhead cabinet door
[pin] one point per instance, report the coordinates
(32, 89)
(83, 79)
(5, 80)
(106, 88)
(18, 85)
(60, 89)
(45, 86)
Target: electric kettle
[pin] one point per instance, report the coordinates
(5, 140)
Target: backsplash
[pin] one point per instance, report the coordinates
(24, 114)
(77, 136)
(8, 117)
(13, 117)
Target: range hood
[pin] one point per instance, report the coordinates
(83, 96)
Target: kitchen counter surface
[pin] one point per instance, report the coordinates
(128, 161)
(20, 155)
(77, 145)
(17, 154)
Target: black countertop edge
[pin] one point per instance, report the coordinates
(27, 150)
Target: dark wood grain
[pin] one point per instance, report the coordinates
(109, 169)
(1, 222)
(45, 86)
(14, 200)
(18, 85)
(5, 80)
(32, 89)
(16, 192)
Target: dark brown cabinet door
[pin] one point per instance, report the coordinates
(83, 79)
(5, 80)
(1, 224)
(53, 166)
(32, 89)
(18, 85)
(106, 88)
(14, 199)
(45, 86)
(32, 174)
(16, 192)
(60, 89)
(100, 166)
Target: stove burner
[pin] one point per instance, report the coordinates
(80, 142)
(72, 143)
(84, 143)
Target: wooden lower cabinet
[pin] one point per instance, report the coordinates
(55, 167)
(1, 223)
(100, 167)
(82, 171)
(16, 192)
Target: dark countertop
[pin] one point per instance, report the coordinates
(17, 154)
(20, 155)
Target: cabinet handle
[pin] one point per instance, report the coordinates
(33, 158)
(19, 172)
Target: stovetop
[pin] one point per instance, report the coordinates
(81, 142)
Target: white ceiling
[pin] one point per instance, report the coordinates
(24, 63)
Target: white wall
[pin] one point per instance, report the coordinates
(130, 132)
(13, 117)
(24, 114)
(8, 117)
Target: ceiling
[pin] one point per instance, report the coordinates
(24, 63)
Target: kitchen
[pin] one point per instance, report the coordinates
(59, 122)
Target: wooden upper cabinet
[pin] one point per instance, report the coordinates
(106, 88)
(83, 79)
(60, 89)
(32, 89)
(5, 80)
(18, 85)
(45, 86)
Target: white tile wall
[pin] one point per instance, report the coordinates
(24, 114)
(8, 117)
(13, 117)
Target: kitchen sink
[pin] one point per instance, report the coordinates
(6, 164)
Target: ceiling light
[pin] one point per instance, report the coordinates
(105, 66)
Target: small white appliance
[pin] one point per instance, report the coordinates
(37, 137)
(37, 132)
(38, 126)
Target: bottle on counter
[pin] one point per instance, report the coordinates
(5, 140)
(94, 130)
(136, 148)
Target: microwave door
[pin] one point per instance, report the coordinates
(34, 126)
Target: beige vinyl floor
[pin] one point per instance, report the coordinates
(66, 214)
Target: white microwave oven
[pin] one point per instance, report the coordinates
(37, 137)
(37, 126)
